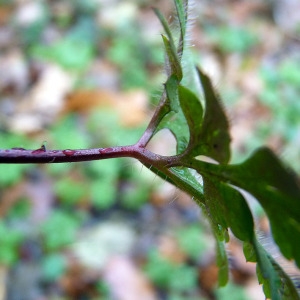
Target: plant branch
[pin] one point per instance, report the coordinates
(159, 114)
(43, 156)
(157, 163)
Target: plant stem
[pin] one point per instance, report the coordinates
(157, 163)
(159, 114)
(42, 156)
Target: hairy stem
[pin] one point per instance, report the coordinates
(159, 164)
(159, 114)
(42, 156)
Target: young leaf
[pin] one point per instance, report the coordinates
(215, 138)
(175, 120)
(216, 209)
(222, 263)
(188, 177)
(174, 62)
(228, 208)
(193, 112)
(176, 123)
(238, 214)
(182, 9)
(183, 179)
(171, 88)
(165, 25)
(276, 283)
(221, 237)
(288, 290)
(182, 13)
(173, 54)
(266, 274)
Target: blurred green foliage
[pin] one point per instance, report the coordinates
(59, 230)
(192, 240)
(230, 39)
(104, 185)
(13, 174)
(70, 53)
(53, 266)
(20, 210)
(10, 240)
(231, 292)
(68, 133)
(281, 96)
(129, 52)
(31, 32)
(69, 191)
(176, 278)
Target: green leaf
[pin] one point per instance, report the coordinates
(176, 123)
(171, 88)
(228, 209)
(216, 209)
(277, 190)
(249, 252)
(222, 263)
(215, 138)
(287, 290)
(238, 214)
(174, 62)
(183, 178)
(174, 120)
(276, 283)
(188, 179)
(266, 274)
(182, 14)
(182, 8)
(165, 25)
(193, 112)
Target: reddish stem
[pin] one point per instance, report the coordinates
(43, 156)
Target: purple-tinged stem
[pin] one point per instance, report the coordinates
(159, 114)
(42, 156)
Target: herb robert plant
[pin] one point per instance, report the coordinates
(201, 128)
